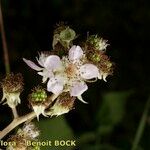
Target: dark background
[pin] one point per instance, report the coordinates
(110, 120)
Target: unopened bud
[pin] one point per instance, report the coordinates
(97, 43)
(106, 68)
(63, 104)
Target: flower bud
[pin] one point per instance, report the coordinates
(63, 35)
(97, 43)
(63, 104)
(101, 60)
(12, 86)
(106, 68)
(94, 56)
(38, 100)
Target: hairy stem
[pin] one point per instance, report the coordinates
(4, 43)
(141, 126)
(16, 122)
(19, 120)
(15, 113)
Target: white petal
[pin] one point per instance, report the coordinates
(78, 89)
(41, 59)
(46, 74)
(75, 53)
(32, 65)
(55, 85)
(52, 62)
(89, 71)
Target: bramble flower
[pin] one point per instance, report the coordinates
(48, 65)
(12, 86)
(78, 71)
(66, 74)
(52, 68)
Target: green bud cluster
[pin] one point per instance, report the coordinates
(96, 58)
(94, 41)
(39, 95)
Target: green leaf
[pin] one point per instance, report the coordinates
(53, 129)
(111, 111)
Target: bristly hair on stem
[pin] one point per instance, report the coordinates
(4, 43)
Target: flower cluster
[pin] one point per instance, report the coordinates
(67, 74)
(27, 133)
(70, 72)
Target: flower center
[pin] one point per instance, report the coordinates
(71, 70)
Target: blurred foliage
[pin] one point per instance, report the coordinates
(110, 120)
(55, 129)
(111, 111)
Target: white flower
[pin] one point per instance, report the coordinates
(68, 74)
(48, 65)
(77, 72)
(50, 68)
(51, 65)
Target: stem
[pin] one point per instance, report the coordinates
(19, 120)
(4, 43)
(14, 111)
(141, 126)
(16, 122)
